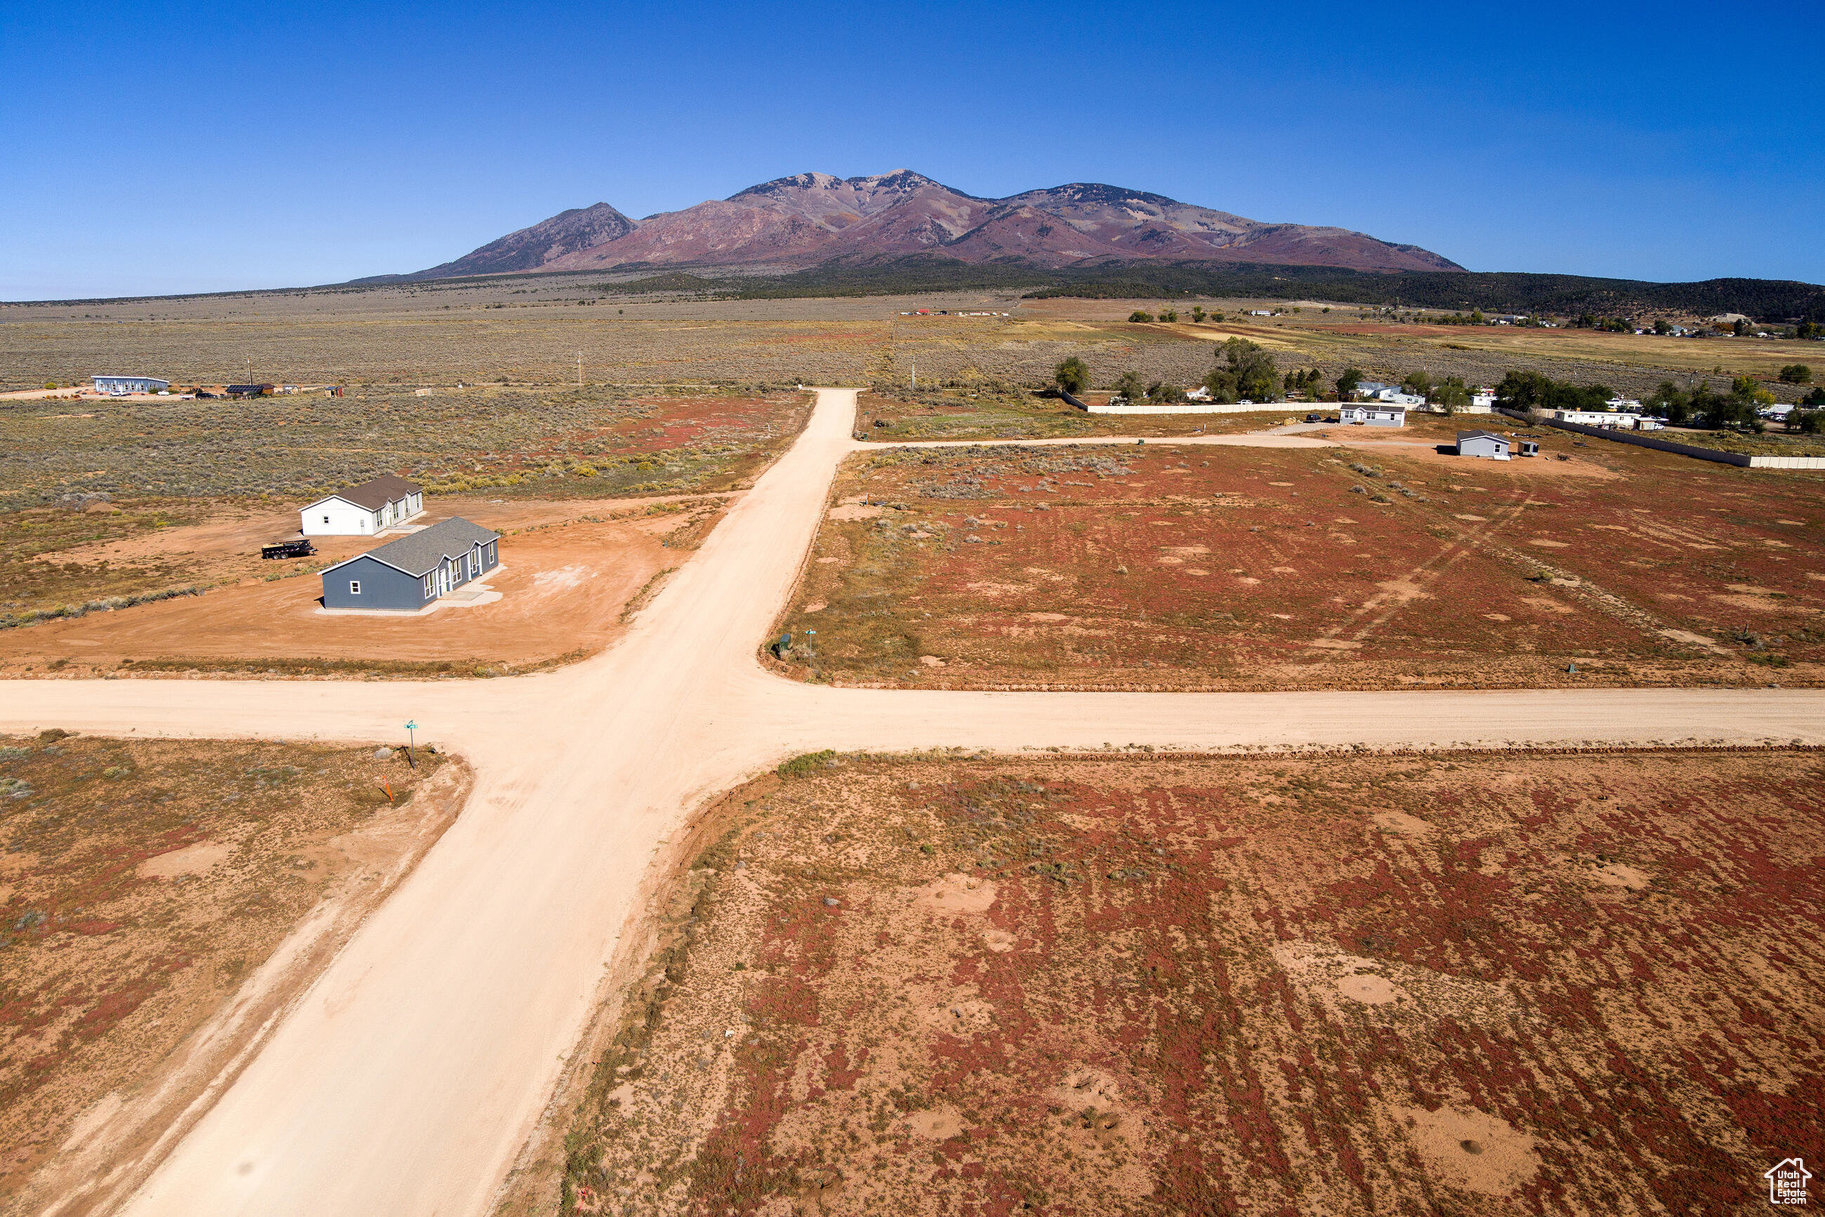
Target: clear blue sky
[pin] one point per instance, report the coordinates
(173, 147)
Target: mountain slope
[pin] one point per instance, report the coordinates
(579, 229)
(810, 218)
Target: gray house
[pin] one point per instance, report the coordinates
(1486, 444)
(409, 573)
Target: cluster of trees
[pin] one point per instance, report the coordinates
(1244, 372)
(1534, 391)
(1141, 315)
(1306, 382)
(1612, 325)
(1796, 374)
(1705, 407)
(1129, 385)
(1450, 393)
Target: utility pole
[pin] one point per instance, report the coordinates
(579, 369)
(915, 373)
(250, 369)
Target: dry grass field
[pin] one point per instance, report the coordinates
(1006, 412)
(531, 331)
(1381, 564)
(107, 502)
(141, 885)
(595, 442)
(1465, 984)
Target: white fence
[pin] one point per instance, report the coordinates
(1738, 459)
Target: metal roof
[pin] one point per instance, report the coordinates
(422, 551)
(1464, 435)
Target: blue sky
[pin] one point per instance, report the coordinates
(166, 147)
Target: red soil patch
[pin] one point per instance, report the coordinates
(1267, 568)
(1231, 985)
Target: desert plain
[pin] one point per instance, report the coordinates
(1228, 814)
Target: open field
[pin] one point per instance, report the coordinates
(1468, 983)
(889, 415)
(142, 886)
(439, 1033)
(531, 330)
(572, 570)
(595, 442)
(1381, 564)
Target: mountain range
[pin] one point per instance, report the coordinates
(810, 219)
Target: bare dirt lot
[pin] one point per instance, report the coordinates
(1381, 564)
(571, 571)
(142, 884)
(1467, 984)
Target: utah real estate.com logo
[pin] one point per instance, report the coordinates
(1787, 1181)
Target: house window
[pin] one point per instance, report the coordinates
(326, 519)
(354, 587)
(427, 585)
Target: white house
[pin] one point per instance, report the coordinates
(1483, 401)
(120, 386)
(364, 510)
(1485, 444)
(1599, 418)
(1400, 397)
(1373, 414)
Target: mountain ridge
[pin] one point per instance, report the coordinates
(805, 219)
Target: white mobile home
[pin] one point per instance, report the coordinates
(120, 386)
(1372, 414)
(364, 510)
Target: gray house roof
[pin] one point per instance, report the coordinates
(375, 493)
(420, 552)
(1464, 435)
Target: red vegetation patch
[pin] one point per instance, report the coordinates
(1226, 985)
(1156, 567)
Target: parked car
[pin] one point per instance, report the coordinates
(1314, 418)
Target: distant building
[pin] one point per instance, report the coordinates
(1483, 400)
(249, 390)
(1485, 444)
(362, 511)
(407, 574)
(1373, 414)
(1400, 397)
(120, 386)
